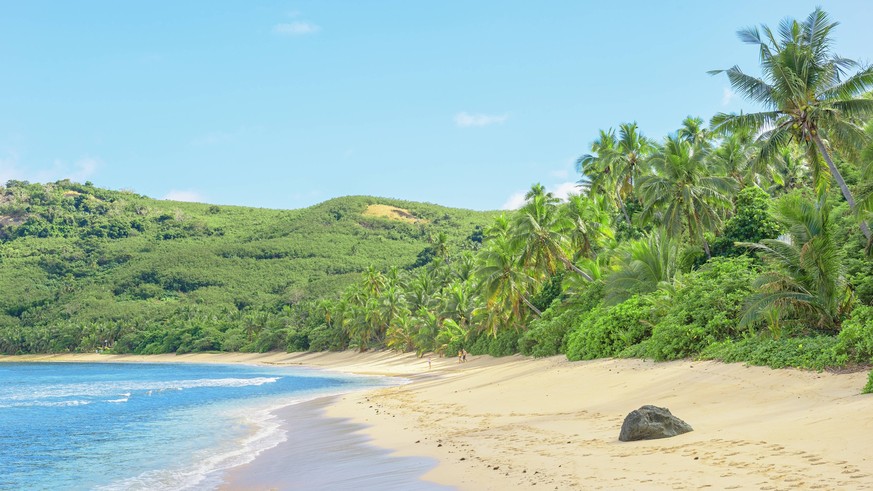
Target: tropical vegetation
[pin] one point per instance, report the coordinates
(722, 240)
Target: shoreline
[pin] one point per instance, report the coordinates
(516, 422)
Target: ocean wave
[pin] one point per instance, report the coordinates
(123, 399)
(125, 388)
(46, 404)
(205, 469)
(268, 433)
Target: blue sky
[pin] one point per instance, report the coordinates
(287, 104)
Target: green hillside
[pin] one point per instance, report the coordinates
(80, 265)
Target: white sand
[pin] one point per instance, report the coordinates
(515, 422)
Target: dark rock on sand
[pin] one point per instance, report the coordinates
(651, 422)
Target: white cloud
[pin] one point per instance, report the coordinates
(184, 195)
(514, 202)
(564, 190)
(561, 191)
(296, 28)
(465, 120)
(727, 96)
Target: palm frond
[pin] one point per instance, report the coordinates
(851, 87)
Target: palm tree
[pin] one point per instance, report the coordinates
(734, 157)
(539, 233)
(499, 228)
(807, 279)
(598, 176)
(788, 171)
(503, 283)
(616, 164)
(684, 191)
(401, 332)
(644, 266)
(694, 132)
(422, 291)
(807, 97)
(458, 304)
(538, 190)
(590, 224)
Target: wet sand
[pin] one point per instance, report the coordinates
(324, 453)
(520, 423)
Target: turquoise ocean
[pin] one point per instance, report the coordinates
(113, 426)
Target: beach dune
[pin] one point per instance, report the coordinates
(521, 423)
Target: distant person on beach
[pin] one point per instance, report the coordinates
(428, 363)
(464, 355)
(460, 355)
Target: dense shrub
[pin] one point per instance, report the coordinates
(752, 222)
(856, 336)
(546, 336)
(328, 338)
(606, 331)
(704, 308)
(505, 343)
(813, 353)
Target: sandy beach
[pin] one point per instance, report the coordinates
(516, 422)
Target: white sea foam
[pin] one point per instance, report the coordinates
(201, 471)
(47, 404)
(123, 399)
(205, 470)
(127, 387)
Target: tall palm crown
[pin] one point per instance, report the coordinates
(596, 168)
(734, 158)
(540, 234)
(684, 191)
(617, 164)
(807, 95)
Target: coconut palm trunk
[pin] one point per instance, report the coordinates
(531, 306)
(840, 181)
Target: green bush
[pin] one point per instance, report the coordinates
(606, 331)
(856, 336)
(328, 338)
(812, 353)
(547, 335)
(752, 222)
(705, 307)
(505, 343)
(868, 389)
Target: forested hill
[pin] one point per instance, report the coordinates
(80, 265)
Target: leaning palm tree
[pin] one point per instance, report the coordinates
(807, 95)
(806, 279)
(540, 234)
(683, 191)
(504, 284)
